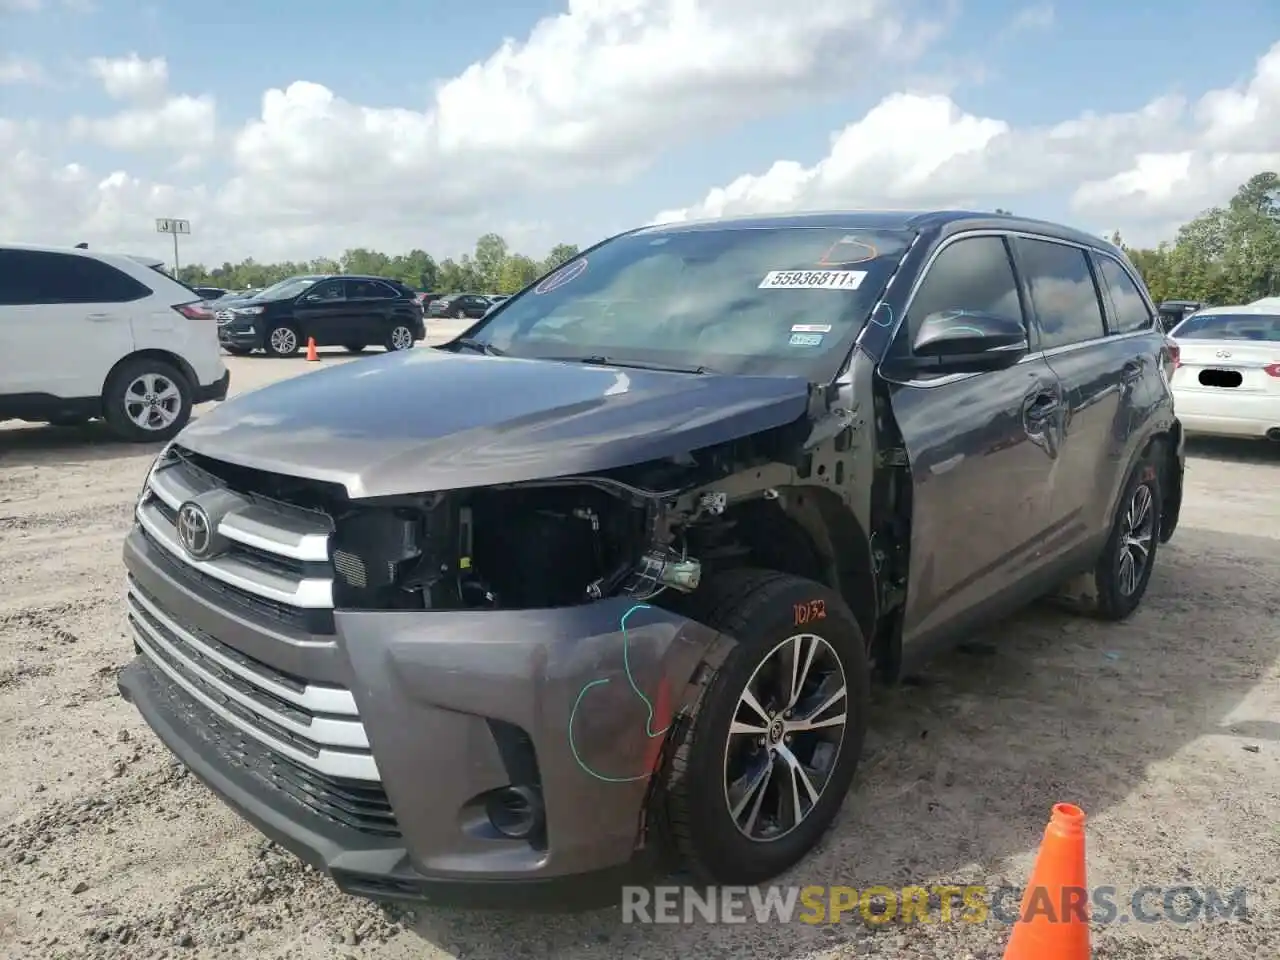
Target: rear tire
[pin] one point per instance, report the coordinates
(1124, 569)
(146, 400)
(721, 832)
(399, 337)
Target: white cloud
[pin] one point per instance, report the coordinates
(922, 151)
(180, 123)
(15, 70)
(593, 94)
(132, 78)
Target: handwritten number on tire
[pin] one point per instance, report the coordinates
(810, 612)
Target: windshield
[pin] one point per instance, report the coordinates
(753, 301)
(286, 288)
(1229, 326)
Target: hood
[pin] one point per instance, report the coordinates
(426, 420)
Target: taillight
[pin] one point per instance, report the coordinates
(1272, 370)
(1175, 354)
(195, 311)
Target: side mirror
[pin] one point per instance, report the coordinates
(962, 341)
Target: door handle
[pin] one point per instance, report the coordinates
(1040, 407)
(99, 316)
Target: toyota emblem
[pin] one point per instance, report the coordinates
(195, 530)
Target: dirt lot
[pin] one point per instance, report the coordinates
(1164, 729)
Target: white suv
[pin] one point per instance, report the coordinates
(88, 334)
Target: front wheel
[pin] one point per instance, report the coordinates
(399, 337)
(759, 772)
(282, 341)
(146, 400)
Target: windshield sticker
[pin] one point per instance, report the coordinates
(811, 328)
(562, 276)
(812, 280)
(847, 251)
(806, 339)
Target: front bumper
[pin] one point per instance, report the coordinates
(243, 335)
(455, 706)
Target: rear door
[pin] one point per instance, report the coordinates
(369, 305)
(64, 322)
(1098, 375)
(982, 450)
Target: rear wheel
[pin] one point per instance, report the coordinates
(758, 773)
(146, 400)
(399, 337)
(1124, 569)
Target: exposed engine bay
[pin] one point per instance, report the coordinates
(522, 546)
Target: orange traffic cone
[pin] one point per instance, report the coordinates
(1053, 922)
(312, 356)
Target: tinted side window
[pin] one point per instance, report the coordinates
(1131, 310)
(368, 290)
(36, 277)
(1062, 289)
(326, 290)
(973, 274)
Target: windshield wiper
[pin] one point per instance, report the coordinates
(599, 361)
(480, 347)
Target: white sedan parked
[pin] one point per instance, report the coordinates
(1226, 380)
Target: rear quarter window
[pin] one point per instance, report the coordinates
(1130, 311)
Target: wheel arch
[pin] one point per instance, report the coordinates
(154, 353)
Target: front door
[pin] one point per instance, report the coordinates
(981, 449)
(321, 312)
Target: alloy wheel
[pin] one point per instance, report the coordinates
(153, 401)
(401, 338)
(785, 737)
(1138, 528)
(284, 340)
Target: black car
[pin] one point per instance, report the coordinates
(612, 599)
(470, 305)
(342, 311)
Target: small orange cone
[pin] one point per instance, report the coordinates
(1053, 920)
(312, 356)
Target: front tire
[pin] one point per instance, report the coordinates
(1124, 569)
(146, 400)
(759, 772)
(283, 341)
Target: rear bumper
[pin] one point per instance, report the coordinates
(214, 391)
(455, 706)
(1218, 413)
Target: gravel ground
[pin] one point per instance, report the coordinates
(1162, 728)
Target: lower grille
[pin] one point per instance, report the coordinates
(357, 805)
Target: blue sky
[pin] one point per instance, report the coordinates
(1088, 56)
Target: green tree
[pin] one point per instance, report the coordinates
(517, 273)
(491, 255)
(560, 253)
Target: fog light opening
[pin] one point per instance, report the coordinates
(515, 812)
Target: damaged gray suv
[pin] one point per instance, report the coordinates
(597, 590)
